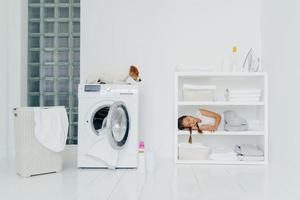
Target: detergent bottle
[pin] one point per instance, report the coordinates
(141, 156)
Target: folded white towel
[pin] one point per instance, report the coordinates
(199, 87)
(51, 127)
(244, 99)
(251, 158)
(244, 95)
(226, 156)
(244, 91)
(248, 150)
(252, 95)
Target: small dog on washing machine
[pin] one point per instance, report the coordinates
(133, 77)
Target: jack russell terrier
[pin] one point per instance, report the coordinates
(132, 78)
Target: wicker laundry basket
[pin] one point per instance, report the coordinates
(31, 157)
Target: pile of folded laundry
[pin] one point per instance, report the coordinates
(249, 152)
(243, 95)
(233, 122)
(223, 155)
(240, 152)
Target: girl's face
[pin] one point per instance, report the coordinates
(190, 121)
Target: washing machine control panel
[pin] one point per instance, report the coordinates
(92, 88)
(106, 90)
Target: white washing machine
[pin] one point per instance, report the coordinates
(107, 126)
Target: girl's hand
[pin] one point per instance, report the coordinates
(207, 127)
(211, 128)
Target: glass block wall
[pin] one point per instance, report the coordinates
(53, 56)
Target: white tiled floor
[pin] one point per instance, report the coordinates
(166, 182)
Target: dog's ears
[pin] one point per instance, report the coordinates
(133, 69)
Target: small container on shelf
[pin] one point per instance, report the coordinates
(195, 151)
(193, 92)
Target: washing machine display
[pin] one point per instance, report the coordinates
(92, 88)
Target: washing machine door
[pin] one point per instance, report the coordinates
(118, 123)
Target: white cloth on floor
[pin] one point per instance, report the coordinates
(102, 150)
(51, 127)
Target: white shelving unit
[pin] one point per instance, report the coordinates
(253, 110)
(219, 103)
(242, 133)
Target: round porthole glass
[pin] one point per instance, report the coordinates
(99, 119)
(119, 124)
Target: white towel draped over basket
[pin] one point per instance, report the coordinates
(51, 127)
(39, 152)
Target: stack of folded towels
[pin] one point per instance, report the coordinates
(241, 152)
(223, 155)
(249, 152)
(233, 122)
(243, 95)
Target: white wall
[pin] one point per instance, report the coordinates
(158, 36)
(12, 55)
(280, 51)
(3, 78)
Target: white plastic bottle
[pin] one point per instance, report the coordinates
(235, 60)
(231, 62)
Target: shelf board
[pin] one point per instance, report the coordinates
(220, 103)
(220, 74)
(220, 162)
(225, 133)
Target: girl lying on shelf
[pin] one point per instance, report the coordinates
(206, 121)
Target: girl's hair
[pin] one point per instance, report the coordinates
(180, 122)
(182, 127)
(199, 130)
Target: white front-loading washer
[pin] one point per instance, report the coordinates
(107, 126)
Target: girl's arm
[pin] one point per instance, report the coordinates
(213, 115)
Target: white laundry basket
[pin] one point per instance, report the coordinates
(195, 151)
(31, 157)
(198, 92)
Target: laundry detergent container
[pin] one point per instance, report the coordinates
(198, 92)
(31, 157)
(196, 151)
